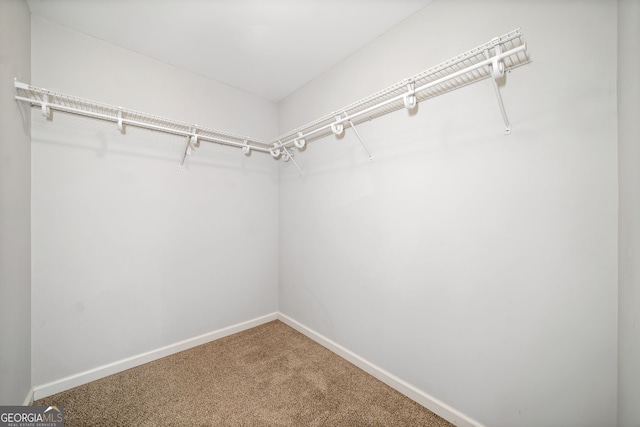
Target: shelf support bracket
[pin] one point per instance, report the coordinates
(192, 143)
(360, 139)
(497, 71)
(288, 156)
(187, 152)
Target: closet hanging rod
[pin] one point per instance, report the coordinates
(48, 100)
(489, 60)
(350, 117)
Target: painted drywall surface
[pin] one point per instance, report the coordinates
(629, 227)
(129, 253)
(15, 196)
(478, 267)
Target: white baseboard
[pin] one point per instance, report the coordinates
(81, 378)
(28, 401)
(438, 407)
(431, 403)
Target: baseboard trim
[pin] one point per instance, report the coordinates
(438, 407)
(44, 390)
(431, 403)
(28, 401)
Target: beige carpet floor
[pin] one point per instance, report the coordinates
(270, 375)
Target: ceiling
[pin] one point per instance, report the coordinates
(266, 47)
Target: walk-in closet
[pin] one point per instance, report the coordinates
(304, 212)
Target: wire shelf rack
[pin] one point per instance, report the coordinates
(487, 61)
(48, 100)
(462, 70)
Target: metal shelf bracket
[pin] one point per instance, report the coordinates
(497, 73)
(360, 139)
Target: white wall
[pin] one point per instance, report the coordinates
(629, 225)
(15, 198)
(129, 253)
(478, 267)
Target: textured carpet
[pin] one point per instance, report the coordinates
(270, 375)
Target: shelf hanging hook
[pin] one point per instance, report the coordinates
(194, 141)
(497, 66)
(46, 111)
(275, 151)
(300, 141)
(120, 125)
(410, 100)
(338, 127)
(246, 149)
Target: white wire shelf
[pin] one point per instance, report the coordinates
(49, 100)
(487, 61)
